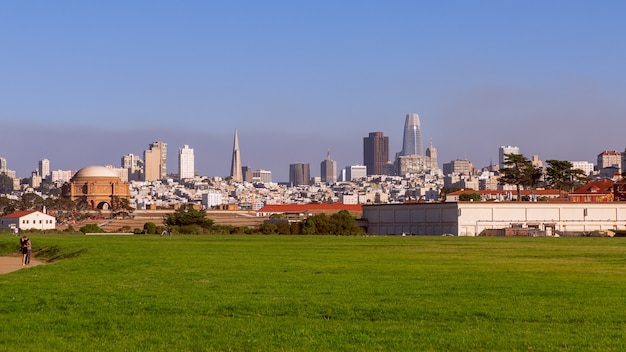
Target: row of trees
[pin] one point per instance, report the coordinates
(189, 220)
(520, 172)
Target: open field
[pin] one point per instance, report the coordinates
(302, 293)
(239, 218)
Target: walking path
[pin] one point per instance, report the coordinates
(12, 263)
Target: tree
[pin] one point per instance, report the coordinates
(120, 206)
(188, 216)
(31, 201)
(150, 228)
(6, 184)
(7, 205)
(560, 175)
(469, 197)
(519, 171)
(91, 228)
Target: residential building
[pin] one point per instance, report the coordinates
(155, 162)
(212, 199)
(585, 166)
(44, 168)
(458, 166)
(61, 175)
(35, 179)
(186, 168)
(263, 176)
(412, 164)
(593, 191)
(503, 150)
(134, 165)
(376, 153)
(608, 159)
(355, 172)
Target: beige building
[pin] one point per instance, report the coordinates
(97, 186)
(154, 159)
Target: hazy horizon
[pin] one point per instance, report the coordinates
(85, 83)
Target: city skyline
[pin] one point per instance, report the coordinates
(85, 83)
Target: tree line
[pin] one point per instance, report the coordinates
(520, 172)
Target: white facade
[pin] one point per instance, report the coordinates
(356, 172)
(586, 166)
(44, 168)
(61, 175)
(506, 150)
(186, 167)
(472, 218)
(261, 175)
(212, 199)
(25, 220)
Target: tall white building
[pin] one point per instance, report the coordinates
(586, 166)
(61, 175)
(3, 166)
(212, 199)
(186, 168)
(506, 150)
(355, 172)
(44, 168)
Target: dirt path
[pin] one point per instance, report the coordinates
(12, 263)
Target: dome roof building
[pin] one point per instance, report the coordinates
(96, 186)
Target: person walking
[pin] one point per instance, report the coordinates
(26, 249)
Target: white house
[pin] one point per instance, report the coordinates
(30, 219)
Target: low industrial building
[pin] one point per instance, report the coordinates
(490, 218)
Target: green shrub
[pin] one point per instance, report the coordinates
(150, 228)
(91, 228)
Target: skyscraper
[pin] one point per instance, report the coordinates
(186, 168)
(3, 166)
(375, 153)
(431, 152)
(412, 141)
(155, 167)
(44, 168)
(328, 170)
(299, 174)
(506, 150)
(235, 166)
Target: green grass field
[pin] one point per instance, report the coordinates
(316, 293)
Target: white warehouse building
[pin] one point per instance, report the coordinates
(476, 218)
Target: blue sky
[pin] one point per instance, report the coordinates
(85, 82)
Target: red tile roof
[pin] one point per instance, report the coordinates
(301, 208)
(538, 192)
(595, 187)
(18, 214)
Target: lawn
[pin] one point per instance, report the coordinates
(316, 293)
